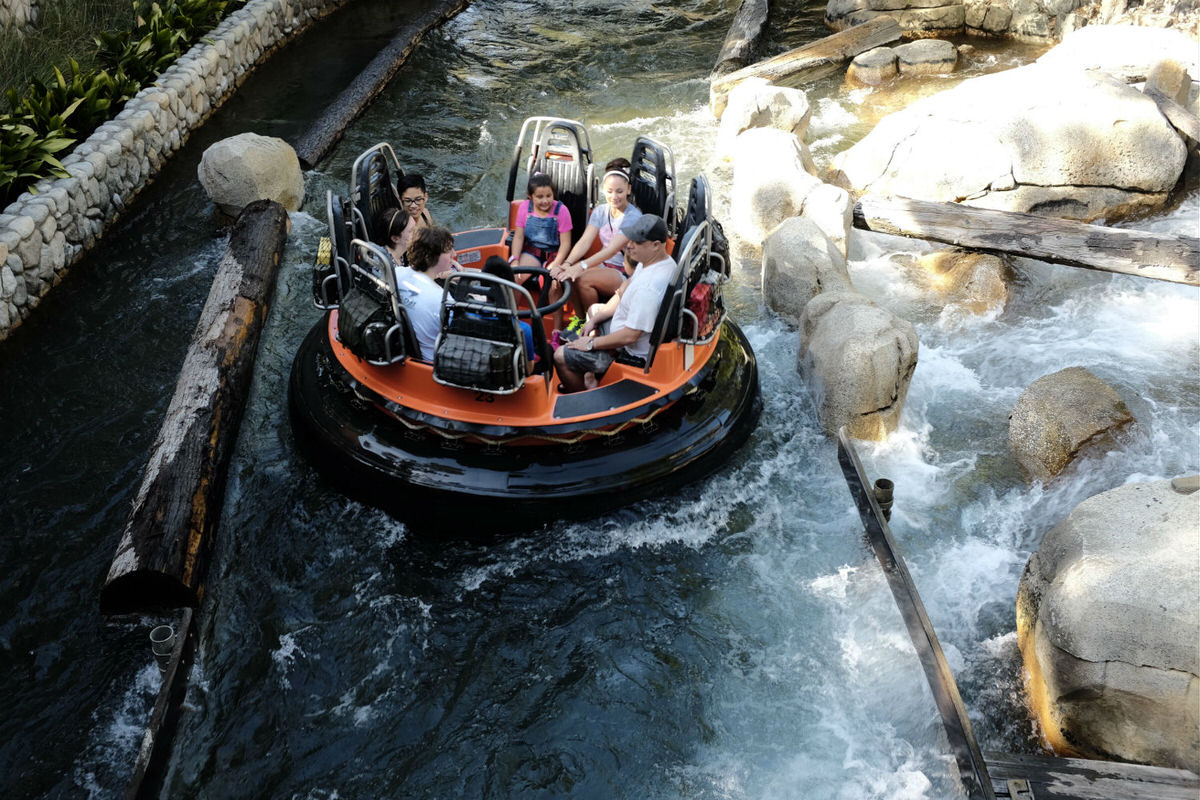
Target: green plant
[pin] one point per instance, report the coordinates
(27, 154)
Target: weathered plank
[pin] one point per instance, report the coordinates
(744, 34)
(160, 561)
(149, 768)
(1083, 779)
(325, 132)
(811, 58)
(973, 772)
(1163, 257)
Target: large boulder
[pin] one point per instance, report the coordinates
(974, 282)
(1061, 414)
(915, 17)
(799, 262)
(857, 360)
(1038, 139)
(758, 103)
(1108, 626)
(1123, 51)
(772, 176)
(248, 167)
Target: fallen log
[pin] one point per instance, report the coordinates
(1163, 257)
(744, 33)
(163, 552)
(818, 56)
(325, 132)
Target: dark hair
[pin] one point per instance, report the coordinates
(498, 266)
(386, 226)
(536, 181)
(619, 165)
(410, 180)
(427, 247)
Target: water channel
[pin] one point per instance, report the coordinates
(736, 640)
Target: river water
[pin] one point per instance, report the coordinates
(736, 640)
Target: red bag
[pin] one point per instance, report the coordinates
(699, 303)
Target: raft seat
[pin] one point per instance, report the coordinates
(373, 190)
(652, 179)
(481, 346)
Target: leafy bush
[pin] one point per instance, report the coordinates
(48, 118)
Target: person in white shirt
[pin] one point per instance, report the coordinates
(430, 256)
(625, 320)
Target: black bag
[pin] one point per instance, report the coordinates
(363, 323)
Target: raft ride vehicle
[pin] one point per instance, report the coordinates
(482, 438)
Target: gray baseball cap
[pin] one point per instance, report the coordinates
(646, 227)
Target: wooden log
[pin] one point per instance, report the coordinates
(163, 553)
(325, 132)
(744, 34)
(1084, 779)
(815, 57)
(1160, 256)
(972, 769)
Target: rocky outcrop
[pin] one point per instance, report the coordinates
(926, 57)
(799, 262)
(857, 361)
(772, 175)
(758, 103)
(1061, 142)
(248, 167)
(1060, 415)
(974, 282)
(17, 15)
(1107, 624)
(1125, 52)
(1024, 20)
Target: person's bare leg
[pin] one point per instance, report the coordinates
(572, 381)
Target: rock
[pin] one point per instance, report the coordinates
(833, 210)
(798, 263)
(1107, 625)
(1058, 415)
(1127, 52)
(916, 17)
(250, 167)
(770, 182)
(873, 67)
(757, 103)
(1033, 139)
(857, 361)
(988, 17)
(1170, 79)
(977, 282)
(926, 57)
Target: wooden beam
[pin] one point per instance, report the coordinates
(744, 34)
(1162, 257)
(972, 769)
(325, 132)
(163, 553)
(1085, 779)
(814, 57)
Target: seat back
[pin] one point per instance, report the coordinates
(372, 323)
(560, 148)
(481, 346)
(372, 189)
(331, 275)
(692, 254)
(652, 176)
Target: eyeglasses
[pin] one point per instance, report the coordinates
(412, 201)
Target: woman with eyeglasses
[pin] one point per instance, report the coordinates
(413, 196)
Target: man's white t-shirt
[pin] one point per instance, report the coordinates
(640, 302)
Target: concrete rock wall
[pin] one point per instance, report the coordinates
(44, 233)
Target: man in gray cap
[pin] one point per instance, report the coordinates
(626, 319)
